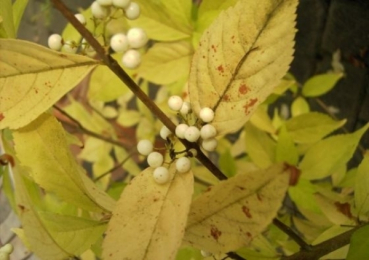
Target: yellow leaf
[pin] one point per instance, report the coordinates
(33, 78)
(166, 63)
(261, 120)
(299, 106)
(320, 84)
(241, 59)
(7, 21)
(34, 232)
(43, 147)
(150, 218)
(75, 235)
(361, 186)
(235, 211)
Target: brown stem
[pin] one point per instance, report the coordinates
(294, 236)
(86, 131)
(330, 245)
(114, 67)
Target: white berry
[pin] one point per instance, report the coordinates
(80, 18)
(181, 130)
(207, 114)
(137, 37)
(155, 159)
(98, 11)
(144, 147)
(119, 42)
(121, 3)
(192, 134)
(183, 164)
(209, 144)
(175, 103)
(104, 2)
(186, 108)
(208, 131)
(55, 42)
(70, 46)
(164, 132)
(131, 59)
(132, 11)
(205, 253)
(161, 175)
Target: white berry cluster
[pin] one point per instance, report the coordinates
(126, 43)
(204, 132)
(156, 161)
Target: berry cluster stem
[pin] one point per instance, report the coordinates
(125, 78)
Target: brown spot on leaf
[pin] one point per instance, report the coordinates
(208, 189)
(226, 98)
(2, 116)
(214, 48)
(246, 210)
(250, 104)
(21, 207)
(240, 187)
(215, 232)
(248, 234)
(344, 208)
(6, 158)
(243, 89)
(294, 174)
(259, 197)
(220, 69)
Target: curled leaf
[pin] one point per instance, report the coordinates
(241, 58)
(234, 211)
(33, 78)
(151, 215)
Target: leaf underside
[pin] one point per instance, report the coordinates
(241, 58)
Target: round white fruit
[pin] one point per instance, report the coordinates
(181, 130)
(145, 147)
(98, 11)
(208, 131)
(131, 59)
(80, 18)
(105, 2)
(55, 42)
(119, 42)
(183, 164)
(164, 132)
(186, 108)
(137, 38)
(175, 103)
(206, 114)
(155, 159)
(121, 3)
(209, 144)
(161, 175)
(192, 134)
(70, 47)
(132, 11)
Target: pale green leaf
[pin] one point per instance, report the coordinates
(129, 118)
(330, 210)
(261, 120)
(302, 195)
(359, 244)
(74, 234)
(150, 214)
(312, 127)
(189, 253)
(328, 155)
(284, 85)
(94, 149)
(299, 106)
(42, 146)
(214, 5)
(259, 146)
(159, 23)
(241, 59)
(103, 165)
(235, 211)
(362, 186)
(286, 150)
(180, 11)
(320, 84)
(7, 22)
(166, 63)
(349, 179)
(130, 165)
(18, 9)
(105, 85)
(227, 164)
(34, 233)
(33, 78)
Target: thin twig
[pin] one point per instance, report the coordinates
(125, 78)
(330, 245)
(115, 167)
(295, 237)
(88, 132)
